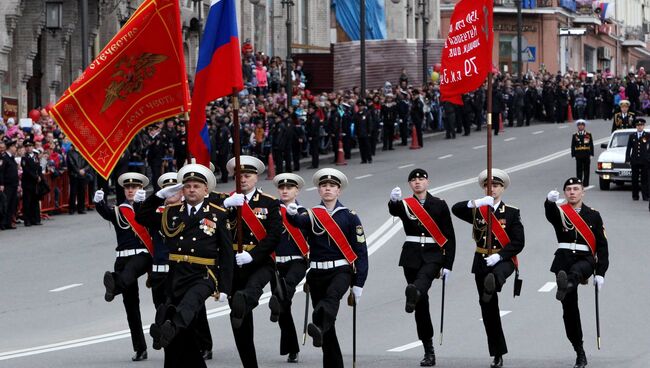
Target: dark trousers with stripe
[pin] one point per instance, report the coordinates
(327, 288)
(490, 310)
(292, 273)
(127, 271)
(422, 278)
(249, 280)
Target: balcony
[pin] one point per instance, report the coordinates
(634, 37)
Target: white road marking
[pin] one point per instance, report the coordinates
(444, 157)
(501, 314)
(510, 139)
(548, 287)
(363, 176)
(479, 147)
(310, 189)
(563, 127)
(405, 166)
(375, 241)
(538, 132)
(589, 187)
(65, 288)
(402, 348)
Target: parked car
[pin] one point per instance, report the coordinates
(611, 163)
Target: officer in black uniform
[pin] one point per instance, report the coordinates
(362, 130)
(312, 127)
(582, 149)
(254, 265)
(132, 257)
(623, 119)
(575, 261)
(291, 264)
(637, 154)
(200, 260)
(9, 184)
(423, 258)
(331, 274)
(492, 266)
(389, 118)
(29, 181)
(180, 144)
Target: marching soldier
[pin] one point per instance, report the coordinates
(636, 153)
(133, 256)
(261, 230)
(428, 251)
(625, 118)
(200, 264)
(492, 266)
(338, 259)
(582, 149)
(582, 252)
(291, 262)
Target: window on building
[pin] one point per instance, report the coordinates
(505, 53)
(304, 17)
(589, 61)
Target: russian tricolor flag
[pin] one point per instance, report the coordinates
(218, 72)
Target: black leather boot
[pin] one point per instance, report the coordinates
(489, 286)
(562, 285)
(429, 359)
(412, 296)
(497, 362)
(581, 357)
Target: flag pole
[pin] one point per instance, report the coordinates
(235, 119)
(188, 155)
(488, 186)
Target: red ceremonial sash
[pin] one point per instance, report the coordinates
(253, 222)
(335, 232)
(581, 226)
(426, 220)
(139, 230)
(498, 231)
(295, 233)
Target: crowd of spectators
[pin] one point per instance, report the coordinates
(315, 124)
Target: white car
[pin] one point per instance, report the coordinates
(611, 163)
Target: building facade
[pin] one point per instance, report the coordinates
(562, 35)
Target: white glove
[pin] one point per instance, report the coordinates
(485, 201)
(292, 209)
(492, 260)
(396, 194)
(235, 200)
(444, 274)
(99, 196)
(357, 291)
(553, 196)
(243, 258)
(599, 281)
(170, 191)
(223, 297)
(140, 195)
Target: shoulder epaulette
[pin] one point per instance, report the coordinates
(513, 207)
(218, 207)
(353, 212)
(267, 195)
(174, 204)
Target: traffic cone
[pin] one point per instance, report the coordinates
(414, 139)
(270, 173)
(569, 114)
(501, 130)
(340, 154)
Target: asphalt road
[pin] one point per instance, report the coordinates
(52, 312)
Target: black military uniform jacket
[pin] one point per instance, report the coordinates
(621, 122)
(638, 149)
(31, 171)
(287, 246)
(565, 233)
(323, 248)
(582, 145)
(267, 210)
(510, 220)
(415, 254)
(8, 170)
(126, 237)
(203, 235)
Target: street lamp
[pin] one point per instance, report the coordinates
(519, 25)
(289, 86)
(425, 22)
(54, 15)
(362, 34)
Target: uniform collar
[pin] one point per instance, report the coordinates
(249, 196)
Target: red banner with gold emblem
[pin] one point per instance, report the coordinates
(137, 79)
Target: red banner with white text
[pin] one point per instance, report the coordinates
(467, 54)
